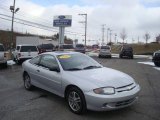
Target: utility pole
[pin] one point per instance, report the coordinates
(110, 35)
(115, 38)
(85, 27)
(138, 39)
(103, 29)
(13, 10)
(107, 34)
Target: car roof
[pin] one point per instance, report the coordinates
(61, 53)
(26, 45)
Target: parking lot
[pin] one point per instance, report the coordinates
(18, 104)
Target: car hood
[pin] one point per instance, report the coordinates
(103, 77)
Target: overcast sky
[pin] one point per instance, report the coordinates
(135, 16)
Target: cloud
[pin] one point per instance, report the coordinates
(132, 15)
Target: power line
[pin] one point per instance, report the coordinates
(38, 23)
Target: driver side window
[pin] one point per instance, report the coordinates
(48, 61)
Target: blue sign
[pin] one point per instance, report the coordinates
(62, 21)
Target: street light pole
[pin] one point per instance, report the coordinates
(107, 34)
(12, 8)
(85, 39)
(103, 29)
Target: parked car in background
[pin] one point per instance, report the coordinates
(66, 47)
(126, 51)
(46, 48)
(156, 58)
(82, 81)
(95, 47)
(24, 52)
(105, 51)
(3, 61)
(80, 48)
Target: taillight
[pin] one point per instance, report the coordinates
(5, 54)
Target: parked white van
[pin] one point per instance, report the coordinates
(24, 52)
(3, 60)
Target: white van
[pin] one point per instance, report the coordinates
(24, 52)
(3, 61)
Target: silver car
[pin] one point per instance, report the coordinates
(84, 83)
(105, 51)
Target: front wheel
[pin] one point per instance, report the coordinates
(76, 100)
(27, 82)
(157, 64)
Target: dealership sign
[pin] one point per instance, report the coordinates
(62, 21)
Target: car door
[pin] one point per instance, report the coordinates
(34, 71)
(49, 78)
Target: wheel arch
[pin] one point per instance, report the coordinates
(24, 73)
(69, 87)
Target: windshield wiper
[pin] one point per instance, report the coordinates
(91, 67)
(73, 69)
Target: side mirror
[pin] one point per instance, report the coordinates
(56, 69)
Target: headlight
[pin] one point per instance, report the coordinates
(105, 91)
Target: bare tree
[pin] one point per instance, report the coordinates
(147, 37)
(123, 35)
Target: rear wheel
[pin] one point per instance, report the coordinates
(5, 65)
(18, 61)
(76, 100)
(27, 82)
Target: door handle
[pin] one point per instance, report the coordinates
(38, 70)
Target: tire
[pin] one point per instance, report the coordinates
(132, 57)
(76, 100)
(157, 64)
(120, 56)
(27, 82)
(5, 65)
(18, 61)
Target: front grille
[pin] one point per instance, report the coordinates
(125, 88)
(126, 102)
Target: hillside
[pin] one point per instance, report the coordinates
(139, 49)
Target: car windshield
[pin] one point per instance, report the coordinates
(67, 46)
(105, 47)
(72, 62)
(46, 46)
(1, 48)
(127, 48)
(80, 46)
(28, 49)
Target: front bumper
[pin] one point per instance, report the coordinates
(104, 54)
(98, 102)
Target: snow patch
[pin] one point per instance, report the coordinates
(10, 62)
(147, 63)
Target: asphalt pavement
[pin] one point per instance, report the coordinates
(18, 104)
